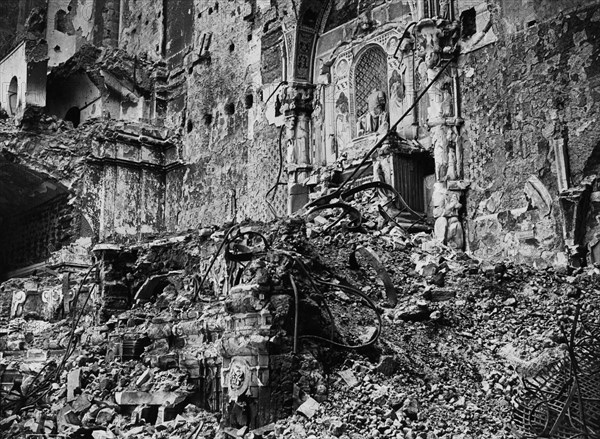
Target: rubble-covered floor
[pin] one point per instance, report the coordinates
(449, 361)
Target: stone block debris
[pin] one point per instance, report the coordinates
(299, 219)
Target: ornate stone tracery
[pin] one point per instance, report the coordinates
(297, 107)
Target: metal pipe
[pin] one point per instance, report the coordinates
(456, 92)
(276, 88)
(403, 37)
(296, 309)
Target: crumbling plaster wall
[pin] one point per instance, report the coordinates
(79, 17)
(14, 66)
(142, 28)
(535, 89)
(231, 149)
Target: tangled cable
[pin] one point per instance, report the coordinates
(315, 282)
(239, 253)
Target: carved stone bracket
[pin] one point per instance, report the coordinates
(575, 204)
(298, 98)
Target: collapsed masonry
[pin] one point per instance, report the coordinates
(457, 119)
(228, 340)
(228, 332)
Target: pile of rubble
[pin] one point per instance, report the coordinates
(315, 328)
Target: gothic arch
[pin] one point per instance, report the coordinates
(311, 19)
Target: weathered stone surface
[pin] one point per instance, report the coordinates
(155, 398)
(439, 294)
(100, 434)
(516, 105)
(105, 416)
(412, 313)
(67, 419)
(309, 407)
(348, 377)
(73, 383)
(387, 366)
(81, 403)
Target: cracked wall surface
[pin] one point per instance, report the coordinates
(536, 88)
(232, 150)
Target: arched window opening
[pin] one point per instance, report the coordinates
(371, 91)
(13, 96)
(73, 115)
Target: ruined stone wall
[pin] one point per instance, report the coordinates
(13, 18)
(61, 155)
(8, 25)
(524, 98)
(142, 28)
(70, 25)
(231, 150)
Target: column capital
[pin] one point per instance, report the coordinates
(298, 99)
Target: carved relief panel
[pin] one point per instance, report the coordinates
(365, 90)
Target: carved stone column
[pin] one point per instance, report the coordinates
(297, 107)
(437, 43)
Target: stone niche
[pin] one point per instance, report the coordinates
(360, 91)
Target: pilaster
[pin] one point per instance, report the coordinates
(437, 47)
(297, 108)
